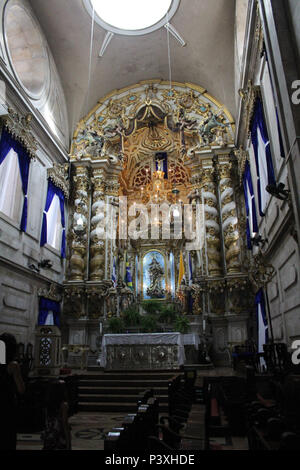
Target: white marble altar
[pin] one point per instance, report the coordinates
(142, 351)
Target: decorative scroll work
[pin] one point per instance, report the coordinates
(249, 95)
(186, 110)
(242, 157)
(20, 128)
(58, 175)
(53, 293)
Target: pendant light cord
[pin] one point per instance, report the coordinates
(90, 59)
(169, 52)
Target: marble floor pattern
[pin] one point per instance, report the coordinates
(87, 431)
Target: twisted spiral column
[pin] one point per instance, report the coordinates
(98, 225)
(79, 227)
(212, 226)
(229, 216)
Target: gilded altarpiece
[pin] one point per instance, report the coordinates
(115, 154)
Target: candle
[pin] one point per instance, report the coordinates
(100, 327)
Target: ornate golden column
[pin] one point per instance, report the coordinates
(98, 226)
(229, 215)
(112, 197)
(212, 225)
(79, 227)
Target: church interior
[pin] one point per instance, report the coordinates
(149, 225)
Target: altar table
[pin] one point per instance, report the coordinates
(142, 351)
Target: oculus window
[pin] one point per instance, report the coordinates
(134, 17)
(26, 49)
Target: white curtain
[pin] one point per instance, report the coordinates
(54, 227)
(261, 334)
(263, 170)
(250, 201)
(50, 319)
(11, 194)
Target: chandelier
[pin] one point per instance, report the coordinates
(160, 190)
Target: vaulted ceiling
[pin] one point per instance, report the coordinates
(207, 26)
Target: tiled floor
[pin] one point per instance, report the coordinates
(87, 431)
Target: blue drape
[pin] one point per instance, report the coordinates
(6, 144)
(282, 151)
(190, 297)
(247, 183)
(45, 307)
(260, 300)
(258, 124)
(52, 191)
(162, 156)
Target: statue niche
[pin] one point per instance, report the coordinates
(154, 276)
(155, 291)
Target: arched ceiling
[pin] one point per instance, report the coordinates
(207, 27)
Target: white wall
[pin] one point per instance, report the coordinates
(241, 11)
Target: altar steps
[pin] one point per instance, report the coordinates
(120, 392)
(123, 383)
(116, 375)
(95, 398)
(123, 391)
(110, 407)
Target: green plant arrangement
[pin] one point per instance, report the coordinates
(149, 324)
(181, 324)
(152, 306)
(116, 325)
(167, 314)
(131, 316)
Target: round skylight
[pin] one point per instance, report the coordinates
(26, 49)
(132, 17)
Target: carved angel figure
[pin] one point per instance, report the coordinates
(206, 127)
(90, 142)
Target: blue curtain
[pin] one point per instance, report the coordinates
(282, 151)
(6, 144)
(247, 183)
(52, 191)
(258, 124)
(260, 300)
(45, 307)
(162, 156)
